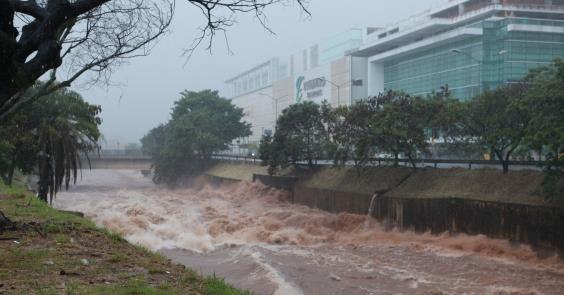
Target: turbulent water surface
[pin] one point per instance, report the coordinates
(255, 239)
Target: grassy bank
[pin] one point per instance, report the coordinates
(520, 187)
(235, 170)
(54, 252)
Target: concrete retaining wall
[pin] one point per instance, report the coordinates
(331, 200)
(119, 164)
(535, 225)
(280, 182)
(217, 181)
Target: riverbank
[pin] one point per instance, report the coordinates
(475, 202)
(516, 187)
(54, 252)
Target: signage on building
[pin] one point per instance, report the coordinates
(312, 89)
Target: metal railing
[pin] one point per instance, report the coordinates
(420, 163)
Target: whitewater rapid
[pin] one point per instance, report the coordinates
(253, 237)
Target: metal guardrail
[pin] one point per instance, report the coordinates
(435, 163)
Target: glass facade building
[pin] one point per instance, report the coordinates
(471, 46)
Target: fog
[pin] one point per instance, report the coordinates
(143, 91)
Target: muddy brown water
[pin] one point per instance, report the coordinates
(253, 237)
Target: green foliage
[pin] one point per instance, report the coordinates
(67, 129)
(545, 103)
(50, 134)
(267, 153)
(153, 141)
(299, 137)
(216, 286)
(392, 123)
(202, 123)
(399, 125)
(497, 120)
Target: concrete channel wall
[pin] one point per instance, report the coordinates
(118, 164)
(535, 225)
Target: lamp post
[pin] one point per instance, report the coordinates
(352, 82)
(338, 89)
(275, 101)
(479, 61)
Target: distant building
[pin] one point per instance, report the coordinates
(320, 72)
(471, 45)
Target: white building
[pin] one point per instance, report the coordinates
(320, 72)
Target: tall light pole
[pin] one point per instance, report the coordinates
(338, 89)
(479, 61)
(352, 82)
(275, 102)
(480, 66)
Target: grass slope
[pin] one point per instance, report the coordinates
(521, 187)
(53, 252)
(348, 179)
(236, 171)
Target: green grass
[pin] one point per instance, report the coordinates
(236, 171)
(132, 287)
(54, 240)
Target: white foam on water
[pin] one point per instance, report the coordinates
(252, 215)
(283, 286)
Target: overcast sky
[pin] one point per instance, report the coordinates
(145, 89)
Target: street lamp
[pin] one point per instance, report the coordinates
(352, 82)
(338, 89)
(480, 62)
(275, 101)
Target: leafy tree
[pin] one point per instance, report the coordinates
(334, 146)
(545, 104)
(153, 141)
(20, 145)
(93, 36)
(67, 131)
(267, 153)
(208, 120)
(497, 120)
(50, 135)
(399, 125)
(300, 135)
(355, 138)
(202, 123)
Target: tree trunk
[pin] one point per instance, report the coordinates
(502, 160)
(505, 164)
(412, 161)
(310, 163)
(12, 168)
(43, 189)
(5, 222)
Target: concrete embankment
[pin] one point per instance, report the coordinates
(455, 200)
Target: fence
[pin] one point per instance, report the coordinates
(435, 163)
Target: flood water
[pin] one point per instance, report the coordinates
(251, 236)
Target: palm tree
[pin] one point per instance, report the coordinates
(67, 132)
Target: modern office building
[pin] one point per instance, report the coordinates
(251, 90)
(469, 45)
(320, 72)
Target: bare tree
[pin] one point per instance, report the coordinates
(64, 39)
